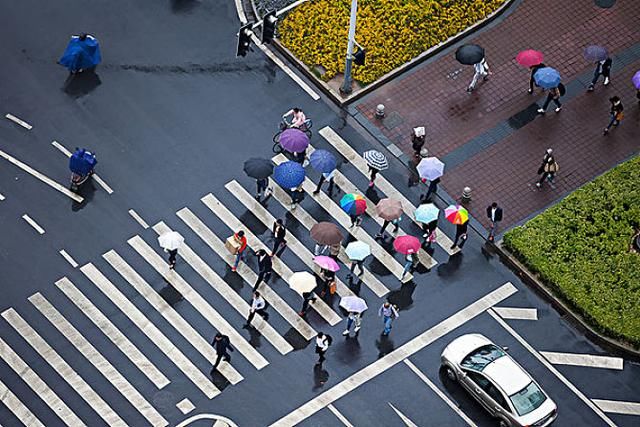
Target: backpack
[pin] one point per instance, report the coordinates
(562, 89)
(329, 339)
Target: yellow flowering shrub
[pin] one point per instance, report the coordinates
(392, 31)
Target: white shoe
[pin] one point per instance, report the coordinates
(357, 328)
(538, 185)
(558, 109)
(540, 111)
(345, 333)
(606, 81)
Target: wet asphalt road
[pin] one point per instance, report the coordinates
(172, 115)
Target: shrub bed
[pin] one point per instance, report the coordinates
(581, 249)
(392, 31)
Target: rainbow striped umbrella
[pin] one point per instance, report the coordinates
(353, 204)
(456, 214)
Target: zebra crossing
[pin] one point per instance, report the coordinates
(110, 312)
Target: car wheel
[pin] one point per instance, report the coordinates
(450, 373)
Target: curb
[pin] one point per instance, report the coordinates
(613, 346)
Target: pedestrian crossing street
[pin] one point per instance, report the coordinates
(107, 327)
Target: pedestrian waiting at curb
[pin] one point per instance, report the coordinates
(307, 297)
(221, 344)
(548, 171)
(481, 70)
(323, 341)
(616, 111)
(411, 262)
(265, 267)
(326, 177)
(417, 140)
(353, 318)
(603, 68)
(494, 213)
(388, 313)
(461, 235)
(553, 95)
(532, 80)
(279, 232)
(257, 306)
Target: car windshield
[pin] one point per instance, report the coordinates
(482, 356)
(528, 399)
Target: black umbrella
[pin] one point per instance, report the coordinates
(469, 54)
(258, 168)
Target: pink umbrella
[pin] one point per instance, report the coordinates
(406, 244)
(327, 263)
(529, 58)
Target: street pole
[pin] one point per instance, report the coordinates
(346, 85)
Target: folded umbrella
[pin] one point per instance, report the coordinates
(171, 240)
(529, 58)
(357, 251)
(547, 77)
(302, 282)
(427, 213)
(258, 168)
(636, 80)
(469, 54)
(326, 262)
(376, 159)
(289, 174)
(294, 140)
(595, 53)
(430, 168)
(389, 209)
(326, 233)
(406, 244)
(323, 161)
(353, 204)
(353, 304)
(456, 214)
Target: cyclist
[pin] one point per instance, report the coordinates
(298, 117)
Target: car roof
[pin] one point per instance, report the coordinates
(459, 348)
(507, 374)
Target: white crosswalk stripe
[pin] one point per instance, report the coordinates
(198, 302)
(274, 300)
(62, 367)
(97, 360)
(150, 330)
(228, 293)
(382, 183)
(278, 266)
(39, 387)
(18, 408)
(110, 331)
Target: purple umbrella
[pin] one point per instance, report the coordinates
(294, 140)
(636, 80)
(595, 53)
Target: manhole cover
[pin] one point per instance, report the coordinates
(605, 4)
(392, 120)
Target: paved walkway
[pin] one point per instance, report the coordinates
(492, 140)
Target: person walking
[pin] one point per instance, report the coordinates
(532, 80)
(261, 185)
(173, 254)
(356, 220)
(411, 261)
(319, 249)
(221, 344)
(307, 297)
(548, 171)
(418, 140)
(352, 269)
(494, 213)
(481, 70)
(429, 235)
(353, 318)
(461, 234)
(433, 189)
(258, 305)
(326, 177)
(334, 251)
(278, 232)
(323, 341)
(603, 68)
(385, 224)
(616, 111)
(372, 175)
(388, 313)
(553, 95)
(242, 240)
(265, 267)
(297, 194)
(325, 280)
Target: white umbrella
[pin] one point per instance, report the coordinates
(430, 168)
(171, 240)
(357, 250)
(353, 304)
(302, 282)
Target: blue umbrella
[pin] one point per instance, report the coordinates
(82, 52)
(323, 161)
(294, 140)
(289, 174)
(547, 77)
(427, 213)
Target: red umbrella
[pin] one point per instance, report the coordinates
(406, 244)
(529, 58)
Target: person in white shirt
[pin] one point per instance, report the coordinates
(257, 306)
(298, 118)
(481, 70)
(323, 341)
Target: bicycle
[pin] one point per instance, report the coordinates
(284, 125)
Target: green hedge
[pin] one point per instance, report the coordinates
(581, 249)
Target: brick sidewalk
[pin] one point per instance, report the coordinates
(505, 169)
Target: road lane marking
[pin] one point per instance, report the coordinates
(33, 224)
(279, 267)
(398, 355)
(103, 366)
(292, 242)
(138, 219)
(18, 408)
(381, 182)
(218, 322)
(63, 369)
(64, 190)
(588, 360)
(69, 258)
(150, 330)
(517, 313)
(407, 422)
(224, 421)
(236, 301)
(1, 197)
(439, 392)
(339, 416)
(185, 406)
(113, 333)
(39, 387)
(95, 176)
(618, 407)
(550, 367)
(21, 122)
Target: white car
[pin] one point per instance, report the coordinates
(498, 382)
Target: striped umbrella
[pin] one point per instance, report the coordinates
(456, 214)
(353, 204)
(376, 160)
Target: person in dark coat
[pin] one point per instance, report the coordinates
(328, 176)
(532, 81)
(548, 170)
(324, 281)
(307, 297)
(279, 232)
(494, 213)
(553, 95)
(603, 68)
(616, 111)
(297, 194)
(264, 267)
(418, 140)
(372, 177)
(261, 185)
(173, 253)
(429, 234)
(433, 189)
(221, 344)
(461, 234)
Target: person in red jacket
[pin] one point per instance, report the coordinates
(239, 236)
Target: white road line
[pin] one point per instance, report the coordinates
(113, 333)
(39, 387)
(216, 282)
(339, 416)
(33, 224)
(198, 302)
(69, 258)
(292, 242)
(279, 267)
(21, 122)
(95, 176)
(407, 422)
(588, 360)
(439, 392)
(138, 219)
(97, 360)
(550, 367)
(344, 220)
(64, 190)
(219, 423)
(618, 407)
(1, 197)
(62, 368)
(150, 330)
(247, 274)
(18, 408)
(185, 406)
(517, 313)
(308, 221)
(381, 182)
(398, 355)
(224, 421)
